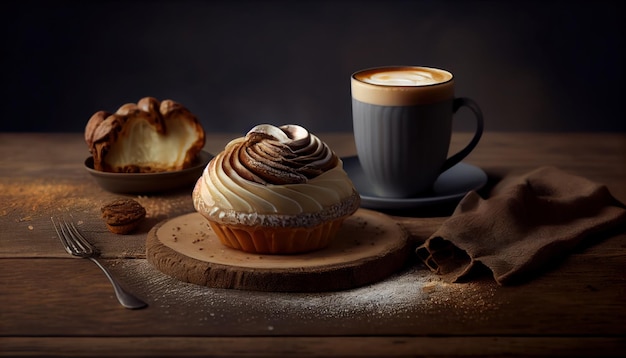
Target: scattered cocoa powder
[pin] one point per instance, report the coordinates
(34, 197)
(409, 294)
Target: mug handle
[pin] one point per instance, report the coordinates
(473, 106)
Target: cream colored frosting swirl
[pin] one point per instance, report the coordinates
(275, 170)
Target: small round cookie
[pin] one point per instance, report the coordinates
(123, 215)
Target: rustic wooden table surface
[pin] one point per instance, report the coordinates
(52, 304)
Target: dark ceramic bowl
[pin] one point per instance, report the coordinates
(144, 183)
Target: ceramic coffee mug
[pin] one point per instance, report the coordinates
(402, 122)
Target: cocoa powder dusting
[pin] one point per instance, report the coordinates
(34, 197)
(159, 209)
(409, 295)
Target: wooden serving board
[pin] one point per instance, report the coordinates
(368, 247)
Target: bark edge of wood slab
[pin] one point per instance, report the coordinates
(369, 247)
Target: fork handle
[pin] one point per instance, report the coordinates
(125, 298)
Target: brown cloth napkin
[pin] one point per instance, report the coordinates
(527, 224)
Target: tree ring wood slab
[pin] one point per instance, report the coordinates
(369, 247)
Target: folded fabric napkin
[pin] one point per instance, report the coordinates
(527, 224)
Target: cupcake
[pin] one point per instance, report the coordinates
(278, 190)
(123, 216)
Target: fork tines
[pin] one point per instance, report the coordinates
(73, 241)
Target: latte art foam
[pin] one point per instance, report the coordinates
(404, 76)
(402, 85)
(401, 78)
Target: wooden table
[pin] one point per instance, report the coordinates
(53, 304)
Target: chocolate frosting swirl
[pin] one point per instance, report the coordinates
(284, 171)
(280, 155)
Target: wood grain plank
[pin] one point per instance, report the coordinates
(575, 309)
(585, 295)
(313, 346)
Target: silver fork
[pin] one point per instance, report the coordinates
(76, 244)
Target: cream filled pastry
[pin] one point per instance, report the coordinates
(277, 190)
(144, 137)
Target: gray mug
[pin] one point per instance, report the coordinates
(402, 122)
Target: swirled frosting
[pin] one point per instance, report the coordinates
(279, 171)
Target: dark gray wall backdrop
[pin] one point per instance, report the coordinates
(531, 65)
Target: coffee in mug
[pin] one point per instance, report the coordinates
(402, 122)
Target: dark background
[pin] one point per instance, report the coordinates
(532, 66)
